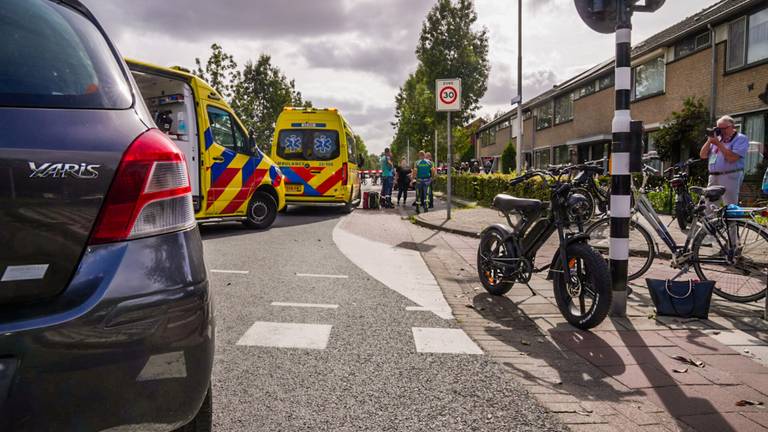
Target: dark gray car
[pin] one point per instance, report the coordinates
(105, 313)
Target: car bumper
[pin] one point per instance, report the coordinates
(133, 351)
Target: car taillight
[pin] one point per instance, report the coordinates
(344, 174)
(150, 193)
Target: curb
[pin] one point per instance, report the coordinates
(431, 225)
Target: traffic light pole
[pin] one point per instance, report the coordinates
(620, 157)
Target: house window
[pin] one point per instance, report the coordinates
(748, 40)
(584, 91)
(754, 128)
(564, 108)
(544, 116)
(604, 82)
(648, 78)
(562, 154)
(541, 158)
(691, 44)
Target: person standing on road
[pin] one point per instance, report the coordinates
(403, 180)
(425, 171)
(431, 197)
(726, 148)
(387, 177)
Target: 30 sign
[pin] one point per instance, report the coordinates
(448, 92)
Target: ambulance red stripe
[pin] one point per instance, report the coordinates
(245, 191)
(329, 182)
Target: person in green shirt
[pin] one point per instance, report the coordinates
(387, 177)
(424, 172)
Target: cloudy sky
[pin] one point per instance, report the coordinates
(354, 54)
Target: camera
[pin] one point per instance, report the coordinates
(712, 132)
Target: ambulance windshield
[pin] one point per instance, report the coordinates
(308, 144)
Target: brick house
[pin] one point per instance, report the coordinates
(572, 121)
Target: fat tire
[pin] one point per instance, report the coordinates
(261, 198)
(203, 420)
(599, 274)
(648, 241)
(502, 287)
(697, 267)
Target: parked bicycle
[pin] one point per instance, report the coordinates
(678, 176)
(579, 274)
(585, 183)
(724, 244)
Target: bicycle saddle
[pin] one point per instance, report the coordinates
(712, 193)
(507, 203)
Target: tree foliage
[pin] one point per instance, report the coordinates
(508, 158)
(220, 71)
(686, 127)
(448, 47)
(260, 96)
(257, 93)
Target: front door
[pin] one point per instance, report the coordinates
(223, 142)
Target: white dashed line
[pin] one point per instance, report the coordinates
(443, 341)
(230, 271)
(287, 335)
(322, 275)
(306, 305)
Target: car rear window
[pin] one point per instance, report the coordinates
(308, 144)
(54, 57)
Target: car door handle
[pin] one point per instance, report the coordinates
(218, 159)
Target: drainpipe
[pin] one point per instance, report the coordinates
(713, 91)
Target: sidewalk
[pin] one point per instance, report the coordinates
(621, 376)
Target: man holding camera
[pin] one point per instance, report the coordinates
(726, 148)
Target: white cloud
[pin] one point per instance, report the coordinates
(354, 54)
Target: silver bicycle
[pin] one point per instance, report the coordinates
(724, 244)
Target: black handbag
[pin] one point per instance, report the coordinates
(681, 299)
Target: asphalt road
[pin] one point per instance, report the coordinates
(347, 358)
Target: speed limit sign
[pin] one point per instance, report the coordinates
(448, 92)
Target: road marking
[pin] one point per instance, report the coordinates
(306, 305)
(418, 308)
(444, 341)
(287, 335)
(230, 271)
(322, 275)
(411, 279)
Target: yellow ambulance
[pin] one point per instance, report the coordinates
(231, 178)
(316, 151)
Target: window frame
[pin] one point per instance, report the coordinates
(634, 96)
(233, 129)
(745, 63)
(538, 117)
(557, 104)
(696, 47)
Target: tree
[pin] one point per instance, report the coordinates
(508, 158)
(449, 48)
(260, 95)
(682, 130)
(220, 71)
(414, 113)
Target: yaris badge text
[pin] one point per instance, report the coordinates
(62, 170)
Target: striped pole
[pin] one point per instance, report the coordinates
(620, 150)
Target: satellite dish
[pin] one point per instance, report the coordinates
(599, 15)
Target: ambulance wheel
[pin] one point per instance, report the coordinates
(261, 212)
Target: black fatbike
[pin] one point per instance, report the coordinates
(579, 274)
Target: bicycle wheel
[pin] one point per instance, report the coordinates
(744, 279)
(491, 274)
(641, 247)
(583, 292)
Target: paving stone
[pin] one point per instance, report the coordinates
(639, 376)
(574, 418)
(703, 344)
(687, 400)
(760, 418)
(758, 382)
(721, 423)
(733, 362)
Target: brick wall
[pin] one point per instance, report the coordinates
(733, 93)
(689, 76)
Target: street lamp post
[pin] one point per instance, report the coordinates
(519, 138)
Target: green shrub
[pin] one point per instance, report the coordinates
(482, 188)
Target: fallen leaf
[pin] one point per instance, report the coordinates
(690, 361)
(524, 342)
(652, 315)
(747, 402)
(470, 306)
(683, 370)
(716, 332)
